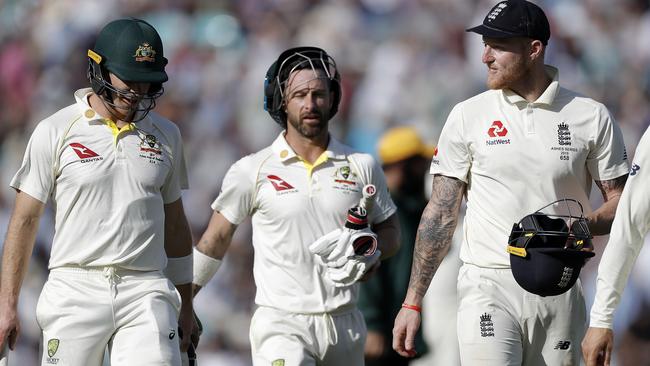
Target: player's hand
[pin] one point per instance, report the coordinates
(597, 346)
(198, 330)
(186, 324)
(9, 326)
(375, 342)
(406, 326)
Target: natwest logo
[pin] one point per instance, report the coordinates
(278, 183)
(497, 129)
(84, 153)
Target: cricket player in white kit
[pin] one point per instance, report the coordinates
(517, 147)
(114, 171)
(298, 191)
(629, 230)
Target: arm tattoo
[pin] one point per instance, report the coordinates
(612, 187)
(436, 229)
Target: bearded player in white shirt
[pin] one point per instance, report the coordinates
(517, 147)
(298, 191)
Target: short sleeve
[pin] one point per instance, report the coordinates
(607, 159)
(452, 157)
(36, 174)
(235, 201)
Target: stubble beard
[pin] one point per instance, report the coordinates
(309, 131)
(508, 76)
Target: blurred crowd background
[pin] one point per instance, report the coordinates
(403, 62)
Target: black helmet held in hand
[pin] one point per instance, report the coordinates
(547, 251)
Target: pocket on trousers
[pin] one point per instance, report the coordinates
(42, 315)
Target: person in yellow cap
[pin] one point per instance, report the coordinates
(405, 159)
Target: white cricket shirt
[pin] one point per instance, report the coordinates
(517, 157)
(293, 203)
(630, 226)
(108, 186)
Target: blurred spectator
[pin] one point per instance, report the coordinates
(405, 160)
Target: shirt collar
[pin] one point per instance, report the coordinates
(547, 97)
(88, 114)
(281, 148)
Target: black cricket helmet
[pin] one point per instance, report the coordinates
(296, 59)
(132, 50)
(547, 251)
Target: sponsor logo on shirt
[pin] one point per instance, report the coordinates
(486, 325)
(496, 132)
(85, 154)
(434, 159)
(634, 169)
(279, 184)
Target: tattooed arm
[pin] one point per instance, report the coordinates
(600, 221)
(432, 243)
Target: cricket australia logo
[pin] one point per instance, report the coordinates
(52, 347)
(487, 326)
(344, 175)
(497, 132)
(150, 148)
(563, 134)
(145, 53)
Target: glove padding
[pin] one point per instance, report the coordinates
(348, 254)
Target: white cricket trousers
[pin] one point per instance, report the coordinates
(279, 338)
(501, 324)
(135, 313)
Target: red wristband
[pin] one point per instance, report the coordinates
(412, 307)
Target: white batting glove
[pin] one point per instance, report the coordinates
(348, 254)
(355, 268)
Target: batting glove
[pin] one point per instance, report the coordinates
(348, 254)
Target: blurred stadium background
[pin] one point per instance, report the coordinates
(403, 62)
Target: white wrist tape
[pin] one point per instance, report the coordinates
(179, 269)
(204, 267)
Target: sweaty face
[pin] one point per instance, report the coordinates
(127, 99)
(307, 102)
(506, 61)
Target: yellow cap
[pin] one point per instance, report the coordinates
(401, 143)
